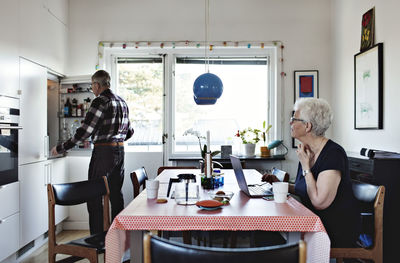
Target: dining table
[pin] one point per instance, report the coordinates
(242, 213)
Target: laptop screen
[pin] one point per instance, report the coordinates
(237, 167)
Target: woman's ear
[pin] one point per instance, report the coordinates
(308, 126)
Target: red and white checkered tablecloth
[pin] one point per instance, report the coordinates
(243, 214)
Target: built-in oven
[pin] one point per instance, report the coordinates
(9, 126)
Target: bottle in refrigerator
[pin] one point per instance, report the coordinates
(74, 107)
(65, 134)
(67, 108)
(79, 110)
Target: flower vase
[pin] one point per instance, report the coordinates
(249, 149)
(264, 151)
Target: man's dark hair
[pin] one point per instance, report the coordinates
(102, 77)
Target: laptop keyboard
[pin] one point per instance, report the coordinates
(259, 190)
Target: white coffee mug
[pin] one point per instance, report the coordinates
(280, 190)
(152, 188)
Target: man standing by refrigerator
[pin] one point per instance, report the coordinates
(107, 122)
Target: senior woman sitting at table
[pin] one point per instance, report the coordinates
(323, 182)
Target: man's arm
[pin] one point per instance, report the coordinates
(90, 125)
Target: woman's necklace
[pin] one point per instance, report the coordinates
(318, 150)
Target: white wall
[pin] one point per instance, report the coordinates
(346, 30)
(303, 26)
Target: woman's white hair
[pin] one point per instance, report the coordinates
(316, 111)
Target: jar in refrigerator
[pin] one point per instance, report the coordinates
(74, 126)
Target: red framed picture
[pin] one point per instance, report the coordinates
(305, 84)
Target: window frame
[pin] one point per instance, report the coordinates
(169, 55)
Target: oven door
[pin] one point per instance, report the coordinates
(8, 153)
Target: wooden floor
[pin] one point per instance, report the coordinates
(41, 254)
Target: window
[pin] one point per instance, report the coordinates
(140, 83)
(158, 87)
(244, 102)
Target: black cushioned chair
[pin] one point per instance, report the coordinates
(162, 168)
(74, 194)
(157, 250)
(371, 199)
(138, 178)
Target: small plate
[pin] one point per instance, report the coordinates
(209, 203)
(210, 208)
(226, 196)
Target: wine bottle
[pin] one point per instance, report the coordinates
(67, 108)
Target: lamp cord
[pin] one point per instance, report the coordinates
(206, 22)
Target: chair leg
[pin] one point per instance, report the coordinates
(233, 239)
(93, 257)
(187, 237)
(52, 257)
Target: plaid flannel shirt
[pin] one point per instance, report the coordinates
(107, 120)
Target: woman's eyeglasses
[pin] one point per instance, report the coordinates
(293, 119)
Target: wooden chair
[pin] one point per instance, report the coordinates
(138, 178)
(73, 194)
(157, 250)
(374, 196)
(162, 168)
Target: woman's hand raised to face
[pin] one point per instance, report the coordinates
(305, 156)
(270, 178)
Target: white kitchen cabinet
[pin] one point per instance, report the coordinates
(9, 219)
(59, 175)
(9, 64)
(33, 139)
(33, 195)
(9, 240)
(33, 201)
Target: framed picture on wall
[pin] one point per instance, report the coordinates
(368, 88)
(305, 84)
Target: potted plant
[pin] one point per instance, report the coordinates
(250, 137)
(203, 149)
(264, 149)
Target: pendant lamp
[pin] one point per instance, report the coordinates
(207, 87)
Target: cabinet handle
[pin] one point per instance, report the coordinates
(11, 127)
(46, 146)
(356, 165)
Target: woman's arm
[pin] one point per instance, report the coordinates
(323, 191)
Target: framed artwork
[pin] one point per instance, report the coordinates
(305, 84)
(368, 88)
(367, 29)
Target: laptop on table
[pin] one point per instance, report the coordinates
(252, 190)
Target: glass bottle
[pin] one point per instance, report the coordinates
(65, 134)
(67, 108)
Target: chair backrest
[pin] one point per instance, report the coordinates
(138, 178)
(79, 192)
(157, 250)
(371, 198)
(162, 168)
(281, 175)
(69, 194)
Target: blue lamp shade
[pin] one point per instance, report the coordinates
(274, 144)
(207, 88)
